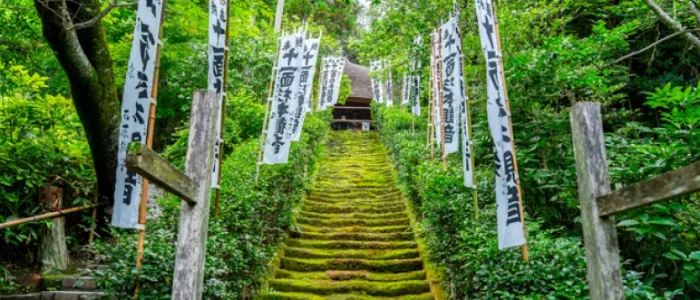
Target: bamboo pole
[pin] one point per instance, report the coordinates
(227, 52)
(267, 111)
(442, 100)
(470, 130)
(525, 251)
(50, 215)
(149, 142)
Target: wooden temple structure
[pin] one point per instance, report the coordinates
(356, 109)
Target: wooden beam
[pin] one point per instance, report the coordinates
(54, 214)
(188, 280)
(352, 121)
(150, 165)
(352, 108)
(599, 234)
(671, 185)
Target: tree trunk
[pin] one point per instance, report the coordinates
(53, 251)
(84, 56)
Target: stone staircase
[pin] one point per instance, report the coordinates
(353, 239)
(66, 287)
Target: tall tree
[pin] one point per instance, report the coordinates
(75, 32)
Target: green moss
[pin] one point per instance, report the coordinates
(351, 275)
(355, 236)
(350, 264)
(352, 222)
(326, 287)
(371, 254)
(353, 215)
(350, 244)
(376, 229)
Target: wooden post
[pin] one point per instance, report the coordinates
(227, 52)
(442, 100)
(54, 252)
(188, 279)
(599, 234)
(267, 111)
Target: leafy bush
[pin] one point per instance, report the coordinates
(252, 221)
(41, 143)
(468, 249)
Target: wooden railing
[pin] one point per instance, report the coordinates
(599, 204)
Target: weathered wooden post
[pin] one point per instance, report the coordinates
(193, 187)
(54, 252)
(599, 234)
(188, 279)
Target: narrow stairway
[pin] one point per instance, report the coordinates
(353, 240)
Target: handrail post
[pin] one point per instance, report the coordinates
(599, 234)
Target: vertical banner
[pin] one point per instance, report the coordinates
(376, 84)
(510, 226)
(414, 85)
(388, 85)
(405, 90)
(467, 157)
(136, 104)
(308, 71)
(217, 48)
(286, 89)
(435, 86)
(451, 85)
(336, 78)
(325, 75)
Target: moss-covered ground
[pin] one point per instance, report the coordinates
(353, 238)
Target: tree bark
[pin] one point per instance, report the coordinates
(84, 56)
(673, 24)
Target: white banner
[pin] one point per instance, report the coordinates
(452, 93)
(467, 158)
(283, 100)
(308, 71)
(510, 226)
(375, 68)
(338, 66)
(217, 49)
(436, 95)
(414, 85)
(388, 85)
(136, 106)
(325, 75)
(405, 90)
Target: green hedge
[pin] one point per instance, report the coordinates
(253, 220)
(468, 250)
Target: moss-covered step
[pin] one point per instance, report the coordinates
(351, 264)
(343, 208)
(352, 215)
(303, 296)
(378, 229)
(353, 222)
(314, 244)
(370, 254)
(356, 236)
(328, 287)
(351, 275)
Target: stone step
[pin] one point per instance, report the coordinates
(354, 236)
(322, 208)
(370, 254)
(302, 296)
(352, 264)
(352, 222)
(328, 287)
(83, 283)
(353, 215)
(356, 229)
(60, 295)
(351, 275)
(315, 244)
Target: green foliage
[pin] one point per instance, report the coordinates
(41, 143)
(253, 220)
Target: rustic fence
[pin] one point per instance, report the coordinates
(599, 204)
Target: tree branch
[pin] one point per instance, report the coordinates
(670, 36)
(101, 15)
(675, 25)
(695, 11)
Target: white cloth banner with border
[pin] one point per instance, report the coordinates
(338, 66)
(325, 75)
(277, 144)
(405, 90)
(308, 71)
(375, 68)
(414, 81)
(388, 85)
(436, 95)
(136, 105)
(452, 93)
(217, 49)
(510, 227)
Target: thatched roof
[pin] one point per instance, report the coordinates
(361, 84)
